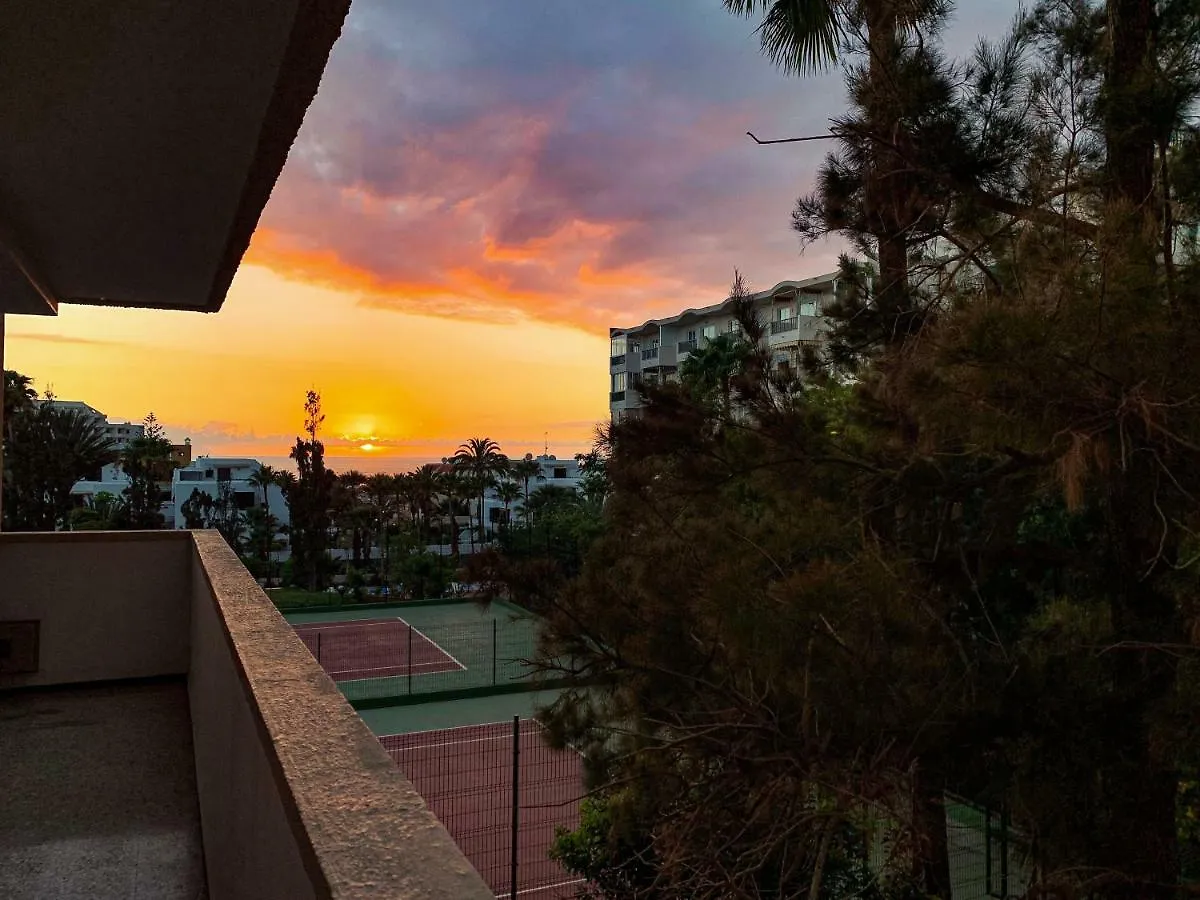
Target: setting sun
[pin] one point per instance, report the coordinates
(367, 447)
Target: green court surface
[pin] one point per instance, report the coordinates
(437, 714)
(489, 649)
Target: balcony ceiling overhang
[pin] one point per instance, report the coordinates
(142, 141)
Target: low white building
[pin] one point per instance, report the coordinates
(792, 312)
(553, 472)
(210, 474)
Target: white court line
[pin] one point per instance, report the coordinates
(481, 740)
(435, 643)
(506, 725)
(450, 728)
(397, 620)
(546, 887)
(436, 662)
(360, 623)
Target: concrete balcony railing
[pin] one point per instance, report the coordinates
(168, 735)
(780, 326)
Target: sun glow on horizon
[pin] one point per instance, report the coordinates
(368, 447)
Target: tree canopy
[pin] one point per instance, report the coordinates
(956, 552)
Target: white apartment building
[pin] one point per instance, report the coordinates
(792, 311)
(209, 474)
(554, 472)
(119, 433)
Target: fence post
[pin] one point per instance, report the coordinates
(318, 648)
(493, 652)
(1004, 848)
(410, 658)
(987, 849)
(516, 802)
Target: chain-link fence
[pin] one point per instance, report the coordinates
(502, 792)
(389, 658)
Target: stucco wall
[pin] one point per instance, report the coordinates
(297, 797)
(250, 849)
(111, 604)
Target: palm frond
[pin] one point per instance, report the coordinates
(799, 36)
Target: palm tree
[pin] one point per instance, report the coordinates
(803, 37)
(424, 485)
(381, 495)
(710, 369)
(482, 460)
(525, 469)
(506, 493)
(19, 394)
(104, 512)
(452, 493)
(264, 477)
(50, 448)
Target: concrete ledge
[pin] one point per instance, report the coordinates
(338, 819)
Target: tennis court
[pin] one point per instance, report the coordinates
(393, 653)
(466, 774)
(374, 648)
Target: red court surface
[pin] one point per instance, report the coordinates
(465, 775)
(374, 648)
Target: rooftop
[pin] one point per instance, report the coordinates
(817, 285)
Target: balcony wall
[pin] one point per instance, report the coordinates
(296, 797)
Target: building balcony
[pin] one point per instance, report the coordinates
(616, 396)
(650, 354)
(686, 347)
(615, 362)
(166, 734)
(781, 326)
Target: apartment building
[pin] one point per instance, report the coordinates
(164, 732)
(213, 475)
(792, 312)
(552, 472)
(119, 434)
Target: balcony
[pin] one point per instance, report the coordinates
(779, 326)
(614, 361)
(616, 396)
(172, 737)
(650, 353)
(687, 347)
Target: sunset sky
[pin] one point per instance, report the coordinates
(481, 188)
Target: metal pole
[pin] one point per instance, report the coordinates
(318, 648)
(987, 848)
(493, 652)
(1, 418)
(410, 659)
(516, 801)
(1004, 849)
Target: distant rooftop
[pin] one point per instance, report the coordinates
(808, 285)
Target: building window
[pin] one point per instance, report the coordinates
(710, 332)
(619, 346)
(618, 381)
(560, 471)
(784, 313)
(808, 307)
(243, 499)
(735, 327)
(691, 337)
(224, 474)
(190, 476)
